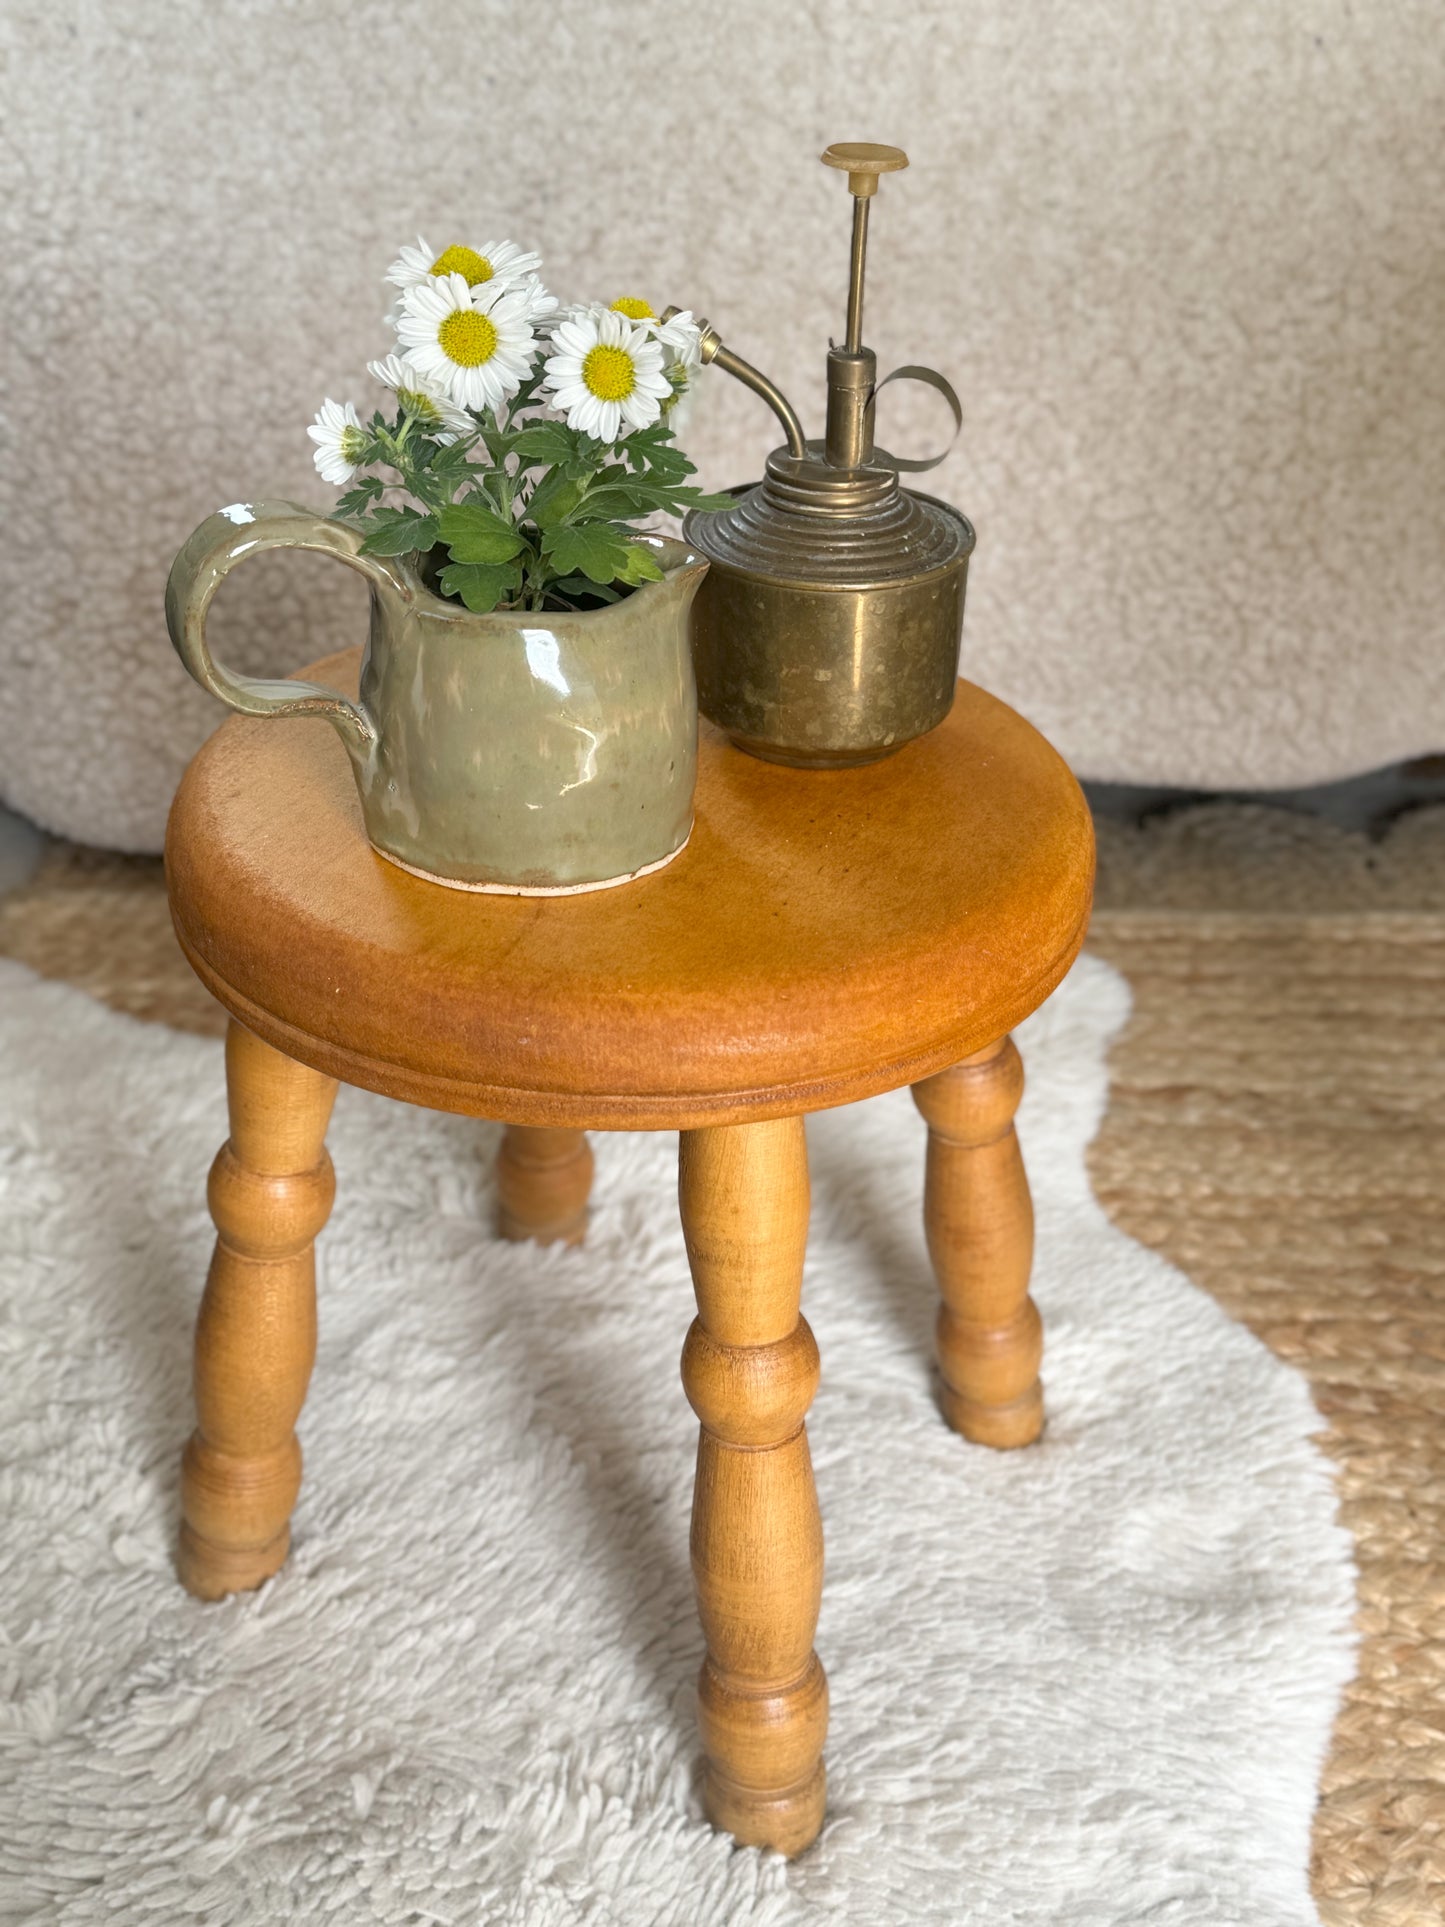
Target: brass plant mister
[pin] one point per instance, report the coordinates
(826, 631)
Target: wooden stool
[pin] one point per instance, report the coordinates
(825, 936)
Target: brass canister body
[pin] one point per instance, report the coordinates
(804, 668)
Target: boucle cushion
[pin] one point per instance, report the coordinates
(1178, 262)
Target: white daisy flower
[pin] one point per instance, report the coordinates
(681, 338)
(500, 261)
(476, 343)
(540, 304)
(574, 311)
(680, 332)
(684, 337)
(339, 438)
(606, 372)
(423, 398)
(634, 307)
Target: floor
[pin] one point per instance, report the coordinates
(1276, 1127)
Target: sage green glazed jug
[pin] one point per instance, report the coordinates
(530, 753)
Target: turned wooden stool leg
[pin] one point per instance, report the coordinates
(270, 1193)
(544, 1176)
(750, 1369)
(980, 1224)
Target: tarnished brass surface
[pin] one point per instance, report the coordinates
(827, 630)
(852, 385)
(832, 680)
(713, 350)
(851, 661)
(810, 526)
(863, 162)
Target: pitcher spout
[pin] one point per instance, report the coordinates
(685, 579)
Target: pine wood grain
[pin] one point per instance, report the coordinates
(825, 935)
(544, 1179)
(979, 1221)
(270, 1193)
(750, 1369)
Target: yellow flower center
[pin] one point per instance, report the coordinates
(609, 372)
(467, 338)
(634, 307)
(454, 260)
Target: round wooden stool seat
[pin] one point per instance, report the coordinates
(824, 936)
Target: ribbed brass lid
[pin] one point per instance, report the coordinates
(811, 524)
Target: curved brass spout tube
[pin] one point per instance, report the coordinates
(744, 371)
(753, 378)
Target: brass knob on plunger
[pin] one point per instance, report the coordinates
(853, 369)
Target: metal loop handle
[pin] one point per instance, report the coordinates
(931, 378)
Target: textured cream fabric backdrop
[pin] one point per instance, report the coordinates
(1184, 265)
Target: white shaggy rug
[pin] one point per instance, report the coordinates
(1089, 1683)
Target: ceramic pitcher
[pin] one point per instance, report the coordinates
(531, 753)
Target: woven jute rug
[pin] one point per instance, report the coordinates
(1275, 1126)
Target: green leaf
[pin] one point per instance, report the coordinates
(593, 549)
(653, 449)
(450, 458)
(477, 534)
(481, 586)
(554, 498)
(697, 498)
(618, 503)
(642, 565)
(500, 443)
(449, 465)
(496, 489)
(573, 588)
(437, 473)
(544, 443)
(643, 495)
(360, 497)
(399, 532)
(588, 456)
(528, 389)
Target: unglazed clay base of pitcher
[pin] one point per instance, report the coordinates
(534, 889)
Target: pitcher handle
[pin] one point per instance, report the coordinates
(209, 555)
